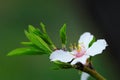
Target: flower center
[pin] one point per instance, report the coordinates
(80, 51)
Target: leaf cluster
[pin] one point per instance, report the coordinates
(39, 42)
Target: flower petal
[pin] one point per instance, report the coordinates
(84, 76)
(61, 55)
(97, 47)
(82, 60)
(85, 38)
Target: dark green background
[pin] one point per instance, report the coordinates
(16, 15)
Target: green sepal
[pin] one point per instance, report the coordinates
(26, 51)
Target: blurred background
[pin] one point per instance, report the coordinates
(100, 17)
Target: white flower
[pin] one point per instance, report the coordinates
(82, 53)
(84, 76)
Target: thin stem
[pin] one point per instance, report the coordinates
(93, 73)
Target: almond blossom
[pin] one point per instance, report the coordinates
(83, 51)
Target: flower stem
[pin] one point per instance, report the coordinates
(93, 73)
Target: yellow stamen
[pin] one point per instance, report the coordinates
(78, 48)
(74, 46)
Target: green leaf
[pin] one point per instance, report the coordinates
(55, 68)
(27, 43)
(43, 27)
(34, 30)
(45, 36)
(31, 28)
(38, 42)
(63, 34)
(62, 65)
(92, 41)
(26, 51)
(37, 32)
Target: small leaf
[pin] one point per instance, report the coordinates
(38, 41)
(31, 28)
(63, 34)
(26, 51)
(45, 36)
(55, 68)
(27, 43)
(62, 65)
(36, 31)
(43, 27)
